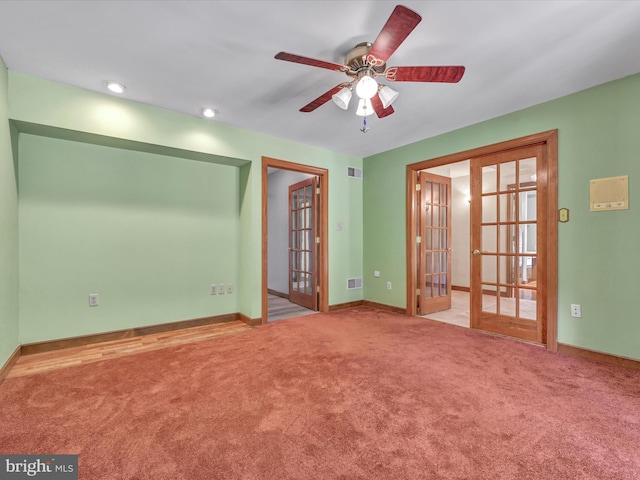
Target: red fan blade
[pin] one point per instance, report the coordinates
(400, 24)
(322, 99)
(290, 57)
(451, 74)
(379, 109)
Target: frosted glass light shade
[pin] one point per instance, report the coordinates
(341, 99)
(364, 107)
(366, 87)
(387, 96)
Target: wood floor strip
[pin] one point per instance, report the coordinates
(99, 338)
(79, 355)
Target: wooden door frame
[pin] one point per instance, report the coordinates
(323, 225)
(549, 142)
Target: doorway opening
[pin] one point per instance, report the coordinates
(294, 245)
(497, 260)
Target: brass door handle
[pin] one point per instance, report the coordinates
(476, 252)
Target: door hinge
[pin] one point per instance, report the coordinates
(418, 239)
(418, 187)
(317, 239)
(317, 190)
(417, 292)
(317, 289)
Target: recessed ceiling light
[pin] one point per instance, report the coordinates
(209, 112)
(115, 87)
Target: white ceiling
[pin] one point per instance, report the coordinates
(182, 55)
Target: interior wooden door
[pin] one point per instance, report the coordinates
(434, 247)
(303, 243)
(509, 243)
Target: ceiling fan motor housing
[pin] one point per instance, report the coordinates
(356, 60)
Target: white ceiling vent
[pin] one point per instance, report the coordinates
(354, 283)
(354, 172)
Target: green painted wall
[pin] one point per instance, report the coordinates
(71, 138)
(599, 260)
(250, 278)
(8, 231)
(148, 233)
(597, 133)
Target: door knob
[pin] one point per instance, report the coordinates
(476, 252)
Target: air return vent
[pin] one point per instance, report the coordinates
(354, 283)
(354, 172)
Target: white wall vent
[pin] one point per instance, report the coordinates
(354, 172)
(354, 283)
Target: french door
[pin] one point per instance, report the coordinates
(303, 243)
(434, 251)
(509, 242)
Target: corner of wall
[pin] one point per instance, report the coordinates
(9, 331)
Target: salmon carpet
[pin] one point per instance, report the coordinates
(354, 394)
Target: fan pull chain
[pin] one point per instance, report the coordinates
(364, 128)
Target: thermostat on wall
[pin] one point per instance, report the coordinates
(609, 194)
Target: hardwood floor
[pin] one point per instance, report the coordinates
(279, 308)
(47, 361)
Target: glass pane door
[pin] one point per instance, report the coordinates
(302, 243)
(435, 241)
(505, 240)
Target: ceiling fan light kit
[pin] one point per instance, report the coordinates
(366, 87)
(342, 98)
(367, 61)
(364, 107)
(387, 95)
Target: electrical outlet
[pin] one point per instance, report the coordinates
(229, 287)
(213, 290)
(388, 285)
(221, 289)
(93, 299)
(576, 310)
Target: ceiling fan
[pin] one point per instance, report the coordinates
(366, 62)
